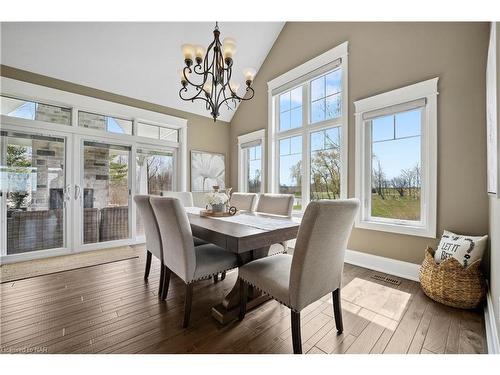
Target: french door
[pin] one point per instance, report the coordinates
(63, 192)
(102, 193)
(35, 194)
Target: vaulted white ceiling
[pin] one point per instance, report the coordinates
(140, 60)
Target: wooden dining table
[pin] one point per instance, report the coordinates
(247, 234)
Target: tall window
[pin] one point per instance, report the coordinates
(254, 168)
(396, 150)
(251, 162)
(309, 128)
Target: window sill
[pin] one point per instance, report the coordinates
(397, 228)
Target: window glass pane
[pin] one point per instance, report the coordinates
(32, 178)
(296, 97)
(396, 178)
(285, 102)
(290, 169)
(318, 88)
(290, 116)
(318, 111)
(106, 192)
(258, 152)
(285, 121)
(35, 111)
(254, 169)
(106, 123)
(325, 164)
(334, 82)
(285, 146)
(383, 128)
(408, 123)
(167, 134)
(334, 106)
(317, 140)
(148, 131)
(155, 173)
(296, 118)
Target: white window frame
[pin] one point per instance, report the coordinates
(259, 135)
(74, 134)
(427, 226)
(294, 75)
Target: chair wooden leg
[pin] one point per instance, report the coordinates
(337, 311)
(222, 275)
(243, 299)
(148, 265)
(166, 283)
(216, 278)
(296, 339)
(187, 304)
(162, 276)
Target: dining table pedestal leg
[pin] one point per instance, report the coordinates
(228, 310)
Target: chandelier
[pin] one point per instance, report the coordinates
(209, 79)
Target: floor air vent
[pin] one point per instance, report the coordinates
(387, 279)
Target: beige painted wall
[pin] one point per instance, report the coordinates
(203, 133)
(385, 56)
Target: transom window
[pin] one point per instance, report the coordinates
(326, 97)
(106, 123)
(30, 110)
(396, 160)
(291, 109)
(309, 130)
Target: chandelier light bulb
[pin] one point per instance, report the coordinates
(184, 77)
(199, 53)
(228, 48)
(207, 87)
(188, 51)
(234, 87)
(249, 74)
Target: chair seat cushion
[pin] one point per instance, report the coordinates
(212, 259)
(271, 275)
(198, 241)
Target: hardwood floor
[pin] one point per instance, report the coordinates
(110, 309)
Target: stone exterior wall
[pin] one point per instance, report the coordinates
(96, 177)
(48, 160)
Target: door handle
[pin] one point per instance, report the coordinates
(78, 190)
(67, 193)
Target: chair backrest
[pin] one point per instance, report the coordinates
(186, 197)
(276, 204)
(243, 201)
(151, 230)
(176, 236)
(318, 258)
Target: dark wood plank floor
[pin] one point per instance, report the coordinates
(110, 309)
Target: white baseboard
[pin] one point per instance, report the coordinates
(491, 326)
(394, 267)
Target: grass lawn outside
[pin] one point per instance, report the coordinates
(395, 207)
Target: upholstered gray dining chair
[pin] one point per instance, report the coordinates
(186, 198)
(153, 239)
(276, 204)
(180, 256)
(314, 270)
(243, 201)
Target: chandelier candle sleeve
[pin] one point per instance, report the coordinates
(209, 79)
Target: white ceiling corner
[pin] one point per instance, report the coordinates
(136, 59)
